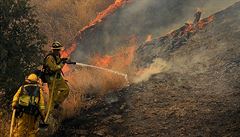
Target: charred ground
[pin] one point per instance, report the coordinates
(198, 95)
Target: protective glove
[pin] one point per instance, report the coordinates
(64, 60)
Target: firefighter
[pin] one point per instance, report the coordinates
(52, 67)
(29, 105)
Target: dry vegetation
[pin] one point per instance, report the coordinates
(87, 83)
(92, 82)
(62, 19)
(4, 123)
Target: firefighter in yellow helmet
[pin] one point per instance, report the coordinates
(29, 105)
(52, 67)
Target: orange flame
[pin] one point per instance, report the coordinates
(190, 28)
(67, 52)
(104, 61)
(66, 69)
(102, 15)
(120, 61)
(202, 23)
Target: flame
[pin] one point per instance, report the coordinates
(149, 38)
(202, 23)
(190, 27)
(67, 52)
(120, 60)
(102, 15)
(103, 61)
(66, 69)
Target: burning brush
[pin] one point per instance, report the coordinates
(180, 36)
(101, 16)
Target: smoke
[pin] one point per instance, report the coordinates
(141, 18)
(144, 17)
(90, 82)
(198, 61)
(213, 6)
(159, 65)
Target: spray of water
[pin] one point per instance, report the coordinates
(105, 69)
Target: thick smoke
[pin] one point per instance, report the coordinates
(159, 65)
(140, 18)
(137, 19)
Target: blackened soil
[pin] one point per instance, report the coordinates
(198, 97)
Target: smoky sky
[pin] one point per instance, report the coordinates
(141, 18)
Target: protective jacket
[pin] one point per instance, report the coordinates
(52, 65)
(36, 99)
(53, 74)
(28, 96)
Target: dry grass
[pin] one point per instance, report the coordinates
(85, 81)
(5, 120)
(96, 82)
(62, 19)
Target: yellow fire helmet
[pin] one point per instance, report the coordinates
(32, 77)
(57, 45)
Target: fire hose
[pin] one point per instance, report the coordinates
(96, 67)
(50, 99)
(108, 70)
(83, 65)
(12, 122)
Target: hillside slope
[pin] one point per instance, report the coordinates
(199, 95)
